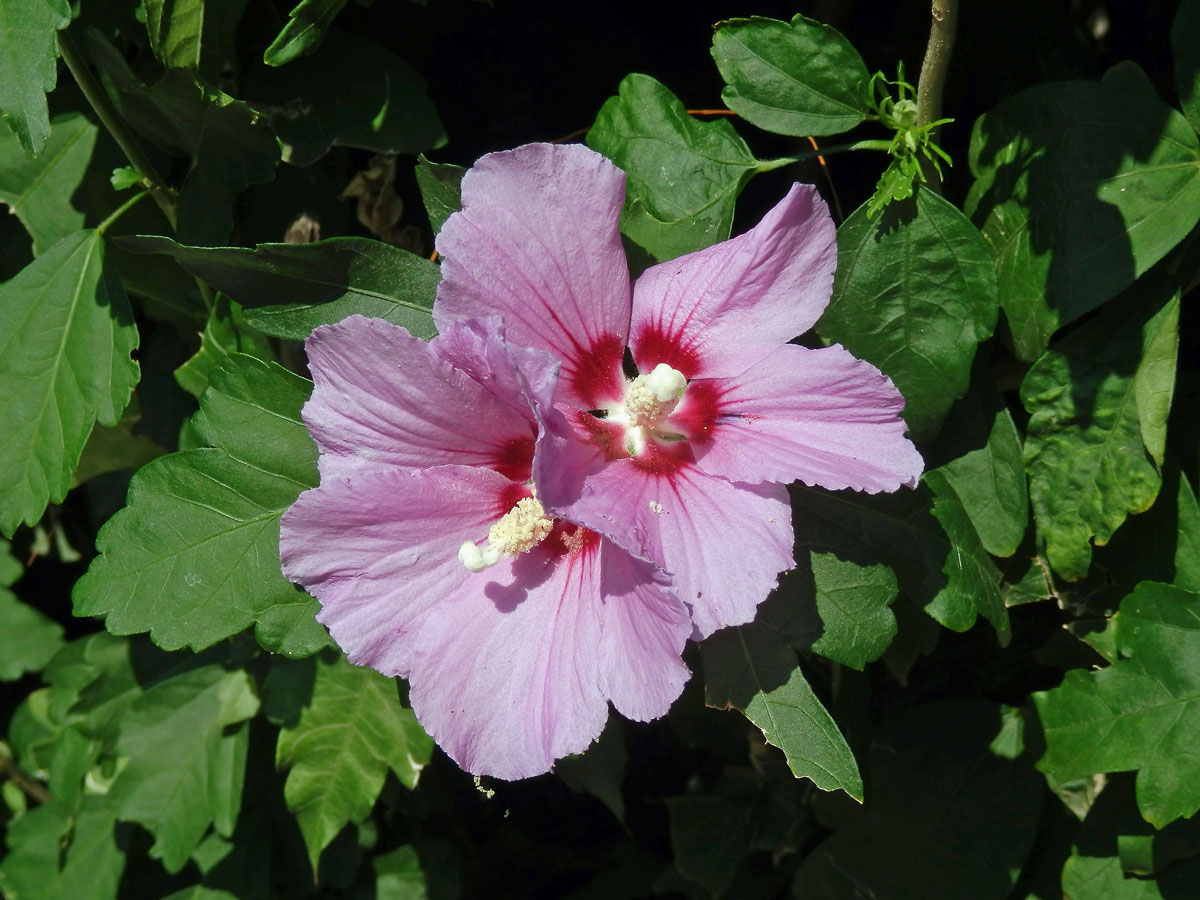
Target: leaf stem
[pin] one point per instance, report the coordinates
(772, 164)
(31, 786)
(944, 15)
(112, 120)
(120, 210)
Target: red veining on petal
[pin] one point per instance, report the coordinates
(515, 459)
(698, 411)
(652, 346)
(595, 374)
(664, 459)
(606, 436)
(577, 540)
(509, 497)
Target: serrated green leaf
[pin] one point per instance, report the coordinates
(1088, 460)
(338, 753)
(986, 471)
(1140, 713)
(354, 93)
(54, 855)
(303, 32)
(38, 189)
(1103, 879)
(647, 132)
(441, 191)
(752, 669)
(215, 570)
(114, 447)
(287, 290)
(193, 34)
(28, 639)
(914, 293)
(947, 816)
(1185, 47)
(799, 78)
(66, 335)
(1081, 188)
(225, 332)
(185, 761)
(29, 65)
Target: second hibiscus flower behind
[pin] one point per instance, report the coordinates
(686, 462)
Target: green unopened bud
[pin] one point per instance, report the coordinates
(904, 113)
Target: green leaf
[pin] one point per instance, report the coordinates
(800, 78)
(900, 531)
(354, 93)
(38, 189)
(1102, 878)
(287, 290)
(215, 570)
(200, 892)
(54, 855)
(986, 471)
(1140, 713)
(948, 816)
(197, 35)
(440, 186)
(225, 332)
(1185, 44)
(353, 731)
(1089, 460)
(28, 639)
(1081, 188)
(710, 835)
(752, 669)
(29, 65)
(647, 132)
(600, 770)
(303, 32)
(120, 446)
(1187, 549)
(398, 875)
(185, 761)
(66, 335)
(914, 292)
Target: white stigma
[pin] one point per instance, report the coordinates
(521, 528)
(649, 400)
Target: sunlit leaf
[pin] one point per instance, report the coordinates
(225, 332)
(66, 335)
(193, 34)
(29, 65)
(194, 556)
(303, 32)
(440, 185)
(1140, 713)
(346, 739)
(800, 77)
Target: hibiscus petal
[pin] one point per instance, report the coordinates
(817, 416)
(536, 243)
(379, 549)
(723, 543)
(514, 671)
(716, 312)
(383, 397)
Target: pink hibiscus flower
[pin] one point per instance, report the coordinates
(434, 560)
(686, 463)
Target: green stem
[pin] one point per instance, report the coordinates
(120, 210)
(31, 786)
(772, 164)
(944, 14)
(112, 120)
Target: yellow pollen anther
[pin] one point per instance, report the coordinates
(521, 528)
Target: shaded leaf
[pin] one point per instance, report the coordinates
(38, 189)
(66, 335)
(440, 185)
(710, 835)
(1185, 46)
(914, 292)
(599, 770)
(398, 875)
(752, 669)
(1090, 463)
(800, 77)
(225, 332)
(193, 34)
(28, 639)
(354, 93)
(29, 65)
(1140, 713)
(215, 569)
(338, 753)
(1081, 187)
(287, 290)
(647, 132)
(114, 447)
(54, 855)
(303, 32)
(186, 763)
(948, 816)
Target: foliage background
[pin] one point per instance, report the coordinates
(1045, 749)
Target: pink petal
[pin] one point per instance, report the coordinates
(383, 397)
(514, 670)
(536, 243)
(723, 543)
(716, 312)
(817, 416)
(379, 549)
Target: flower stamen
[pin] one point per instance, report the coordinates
(521, 528)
